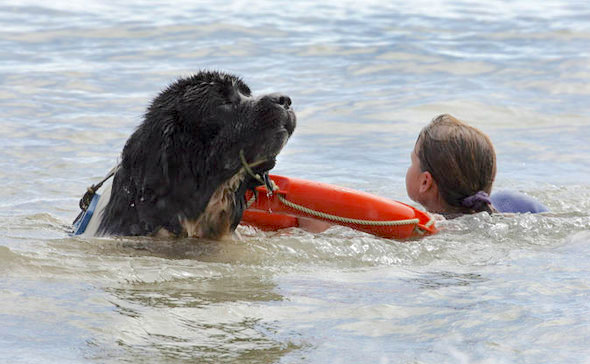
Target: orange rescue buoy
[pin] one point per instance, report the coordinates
(294, 197)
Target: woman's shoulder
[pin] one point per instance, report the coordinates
(512, 201)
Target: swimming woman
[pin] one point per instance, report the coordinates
(452, 170)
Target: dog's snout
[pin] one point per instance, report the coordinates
(281, 99)
(275, 111)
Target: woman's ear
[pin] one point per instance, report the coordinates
(426, 182)
(429, 194)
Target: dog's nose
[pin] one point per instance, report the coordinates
(281, 99)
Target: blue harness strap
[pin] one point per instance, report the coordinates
(510, 201)
(82, 221)
(88, 205)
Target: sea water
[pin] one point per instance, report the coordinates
(365, 77)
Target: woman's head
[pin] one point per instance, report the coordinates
(453, 167)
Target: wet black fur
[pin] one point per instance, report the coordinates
(187, 146)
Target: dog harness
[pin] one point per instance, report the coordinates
(92, 206)
(82, 221)
(88, 221)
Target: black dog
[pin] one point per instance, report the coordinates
(181, 172)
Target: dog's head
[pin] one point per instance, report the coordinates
(183, 162)
(218, 112)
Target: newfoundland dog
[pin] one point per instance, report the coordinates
(180, 172)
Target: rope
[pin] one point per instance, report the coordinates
(429, 223)
(248, 168)
(270, 185)
(347, 220)
(90, 191)
(251, 200)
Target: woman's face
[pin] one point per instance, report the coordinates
(413, 177)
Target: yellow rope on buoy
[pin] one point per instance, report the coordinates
(347, 220)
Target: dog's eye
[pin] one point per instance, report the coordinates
(233, 96)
